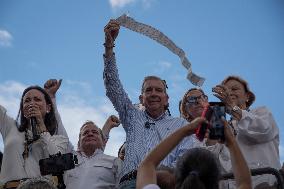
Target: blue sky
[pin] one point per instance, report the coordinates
(42, 39)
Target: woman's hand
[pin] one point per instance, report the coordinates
(223, 93)
(51, 86)
(34, 111)
(193, 125)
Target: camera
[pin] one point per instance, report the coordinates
(58, 163)
(213, 114)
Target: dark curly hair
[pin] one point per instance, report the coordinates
(49, 119)
(198, 169)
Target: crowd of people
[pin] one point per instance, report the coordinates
(160, 151)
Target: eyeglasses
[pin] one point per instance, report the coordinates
(192, 100)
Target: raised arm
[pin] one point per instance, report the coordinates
(114, 88)
(110, 123)
(147, 169)
(239, 165)
(51, 86)
(6, 122)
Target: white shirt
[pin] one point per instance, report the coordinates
(151, 186)
(14, 167)
(96, 171)
(258, 139)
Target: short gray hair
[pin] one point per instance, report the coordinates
(152, 77)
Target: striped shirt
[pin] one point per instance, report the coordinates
(141, 137)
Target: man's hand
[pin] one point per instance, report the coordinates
(51, 86)
(111, 32)
(112, 122)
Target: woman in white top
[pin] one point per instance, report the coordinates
(23, 148)
(256, 131)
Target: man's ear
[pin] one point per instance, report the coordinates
(167, 101)
(141, 99)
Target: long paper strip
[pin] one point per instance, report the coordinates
(161, 38)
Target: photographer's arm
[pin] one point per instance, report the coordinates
(239, 165)
(147, 170)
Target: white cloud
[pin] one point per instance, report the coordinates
(74, 111)
(119, 3)
(147, 3)
(162, 66)
(10, 94)
(5, 38)
(165, 64)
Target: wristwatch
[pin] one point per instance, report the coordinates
(236, 108)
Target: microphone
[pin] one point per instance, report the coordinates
(34, 128)
(148, 124)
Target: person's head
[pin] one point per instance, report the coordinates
(37, 96)
(36, 183)
(90, 138)
(198, 168)
(121, 151)
(193, 103)
(165, 177)
(154, 95)
(239, 91)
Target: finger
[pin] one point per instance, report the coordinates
(109, 37)
(47, 84)
(219, 96)
(198, 120)
(207, 133)
(59, 83)
(115, 119)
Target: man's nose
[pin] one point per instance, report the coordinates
(154, 92)
(90, 134)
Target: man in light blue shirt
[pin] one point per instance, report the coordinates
(144, 128)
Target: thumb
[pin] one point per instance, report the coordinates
(197, 121)
(59, 83)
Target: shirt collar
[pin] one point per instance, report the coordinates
(97, 151)
(158, 118)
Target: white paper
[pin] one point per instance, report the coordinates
(161, 38)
